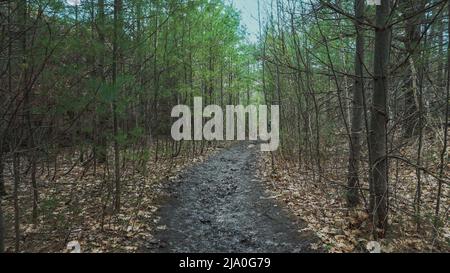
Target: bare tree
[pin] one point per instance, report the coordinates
(445, 140)
(357, 109)
(115, 69)
(378, 174)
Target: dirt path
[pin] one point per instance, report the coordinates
(221, 206)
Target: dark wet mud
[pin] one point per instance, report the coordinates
(220, 206)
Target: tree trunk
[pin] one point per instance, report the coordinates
(442, 164)
(357, 110)
(413, 21)
(379, 117)
(2, 229)
(101, 145)
(116, 56)
(16, 174)
(2, 176)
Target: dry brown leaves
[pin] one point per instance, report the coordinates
(78, 207)
(322, 205)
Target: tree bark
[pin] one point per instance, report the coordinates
(2, 229)
(101, 145)
(412, 43)
(378, 174)
(445, 146)
(353, 197)
(16, 174)
(116, 56)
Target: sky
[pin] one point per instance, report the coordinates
(73, 2)
(249, 15)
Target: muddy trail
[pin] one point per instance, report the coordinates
(220, 206)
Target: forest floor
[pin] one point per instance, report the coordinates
(75, 202)
(222, 205)
(322, 205)
(231, 198)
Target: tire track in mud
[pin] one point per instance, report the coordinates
(220, 206)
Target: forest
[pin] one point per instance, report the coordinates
(88, 162)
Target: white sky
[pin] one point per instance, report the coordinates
(73, 2)
(249, 15)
